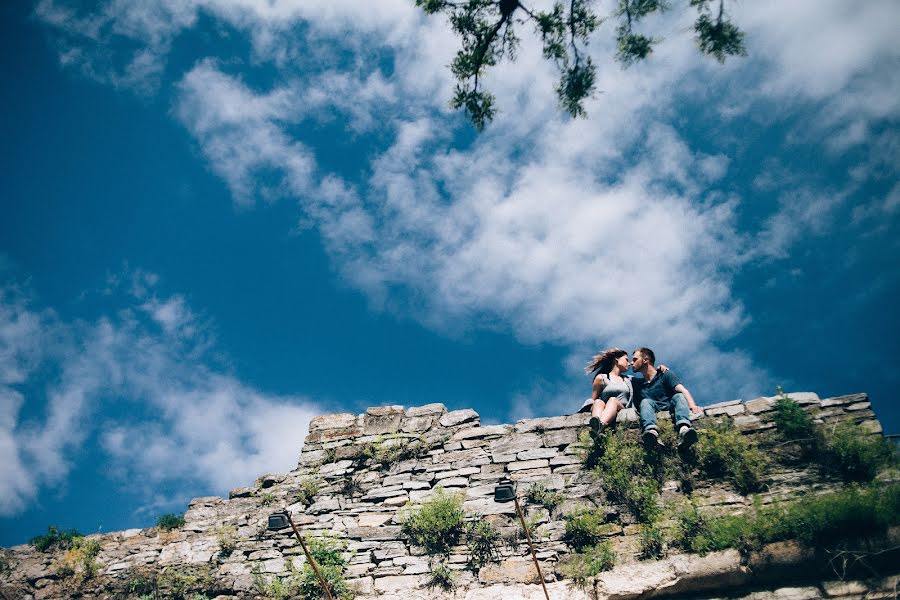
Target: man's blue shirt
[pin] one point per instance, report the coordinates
(661, 387)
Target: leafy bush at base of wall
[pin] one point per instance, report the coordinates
(723, 451)
(329, 556)
(437, 524)
(826, 520)
(583, 567)
(311, 589)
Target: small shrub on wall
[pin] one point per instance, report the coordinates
(723, 451)
(855, 453)
(169, 521)
(629, 474)
(482, 540)
(583, 567)
(437, 524)
(55, 539)
(329, 555)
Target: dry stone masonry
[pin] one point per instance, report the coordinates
(358, 474)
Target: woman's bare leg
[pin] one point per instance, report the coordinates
(608, 415)
(597, 409)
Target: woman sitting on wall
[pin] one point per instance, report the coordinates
(612, 390)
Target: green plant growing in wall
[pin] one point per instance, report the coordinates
(514, 539)
(589, 449)
(482, 540)
(441, 576)
(723, 451)
(652, 540)
(267, 498)
(276, 588)
(330, 455)
(329, 555)
(538, 493)
(586, 528)
(855, 453)
(385, 451)
(169, 521)
(55, 539)
(183, 582)
(583, 567)
(825, 521)
(845, 448)
(629, 474)
(307, 491)
(78, 559)
(690, 531)
(792, 422)
(351, 486)
(437, 524)
(226, 536)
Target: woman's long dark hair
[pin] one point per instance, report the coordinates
(603, 363)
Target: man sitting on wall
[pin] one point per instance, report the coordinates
(663, 391)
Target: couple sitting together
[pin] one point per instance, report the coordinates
(659, 389)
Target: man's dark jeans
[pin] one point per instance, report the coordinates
(677, 406)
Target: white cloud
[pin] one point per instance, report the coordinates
(802, 212)
(191, 424)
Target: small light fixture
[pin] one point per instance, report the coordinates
(505, 492)
(278, 521)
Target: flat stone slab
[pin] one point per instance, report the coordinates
(333, 421)
(492, 431)
(842, 400)
(378, 411)
(428, 409)
(458, 417)
(546, 423)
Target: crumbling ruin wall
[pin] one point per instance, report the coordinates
(361, 501)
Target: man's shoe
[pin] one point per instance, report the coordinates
(650, 437)
(687, 435)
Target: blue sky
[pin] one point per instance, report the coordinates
(220, 219)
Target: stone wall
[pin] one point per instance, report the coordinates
(361, 501)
